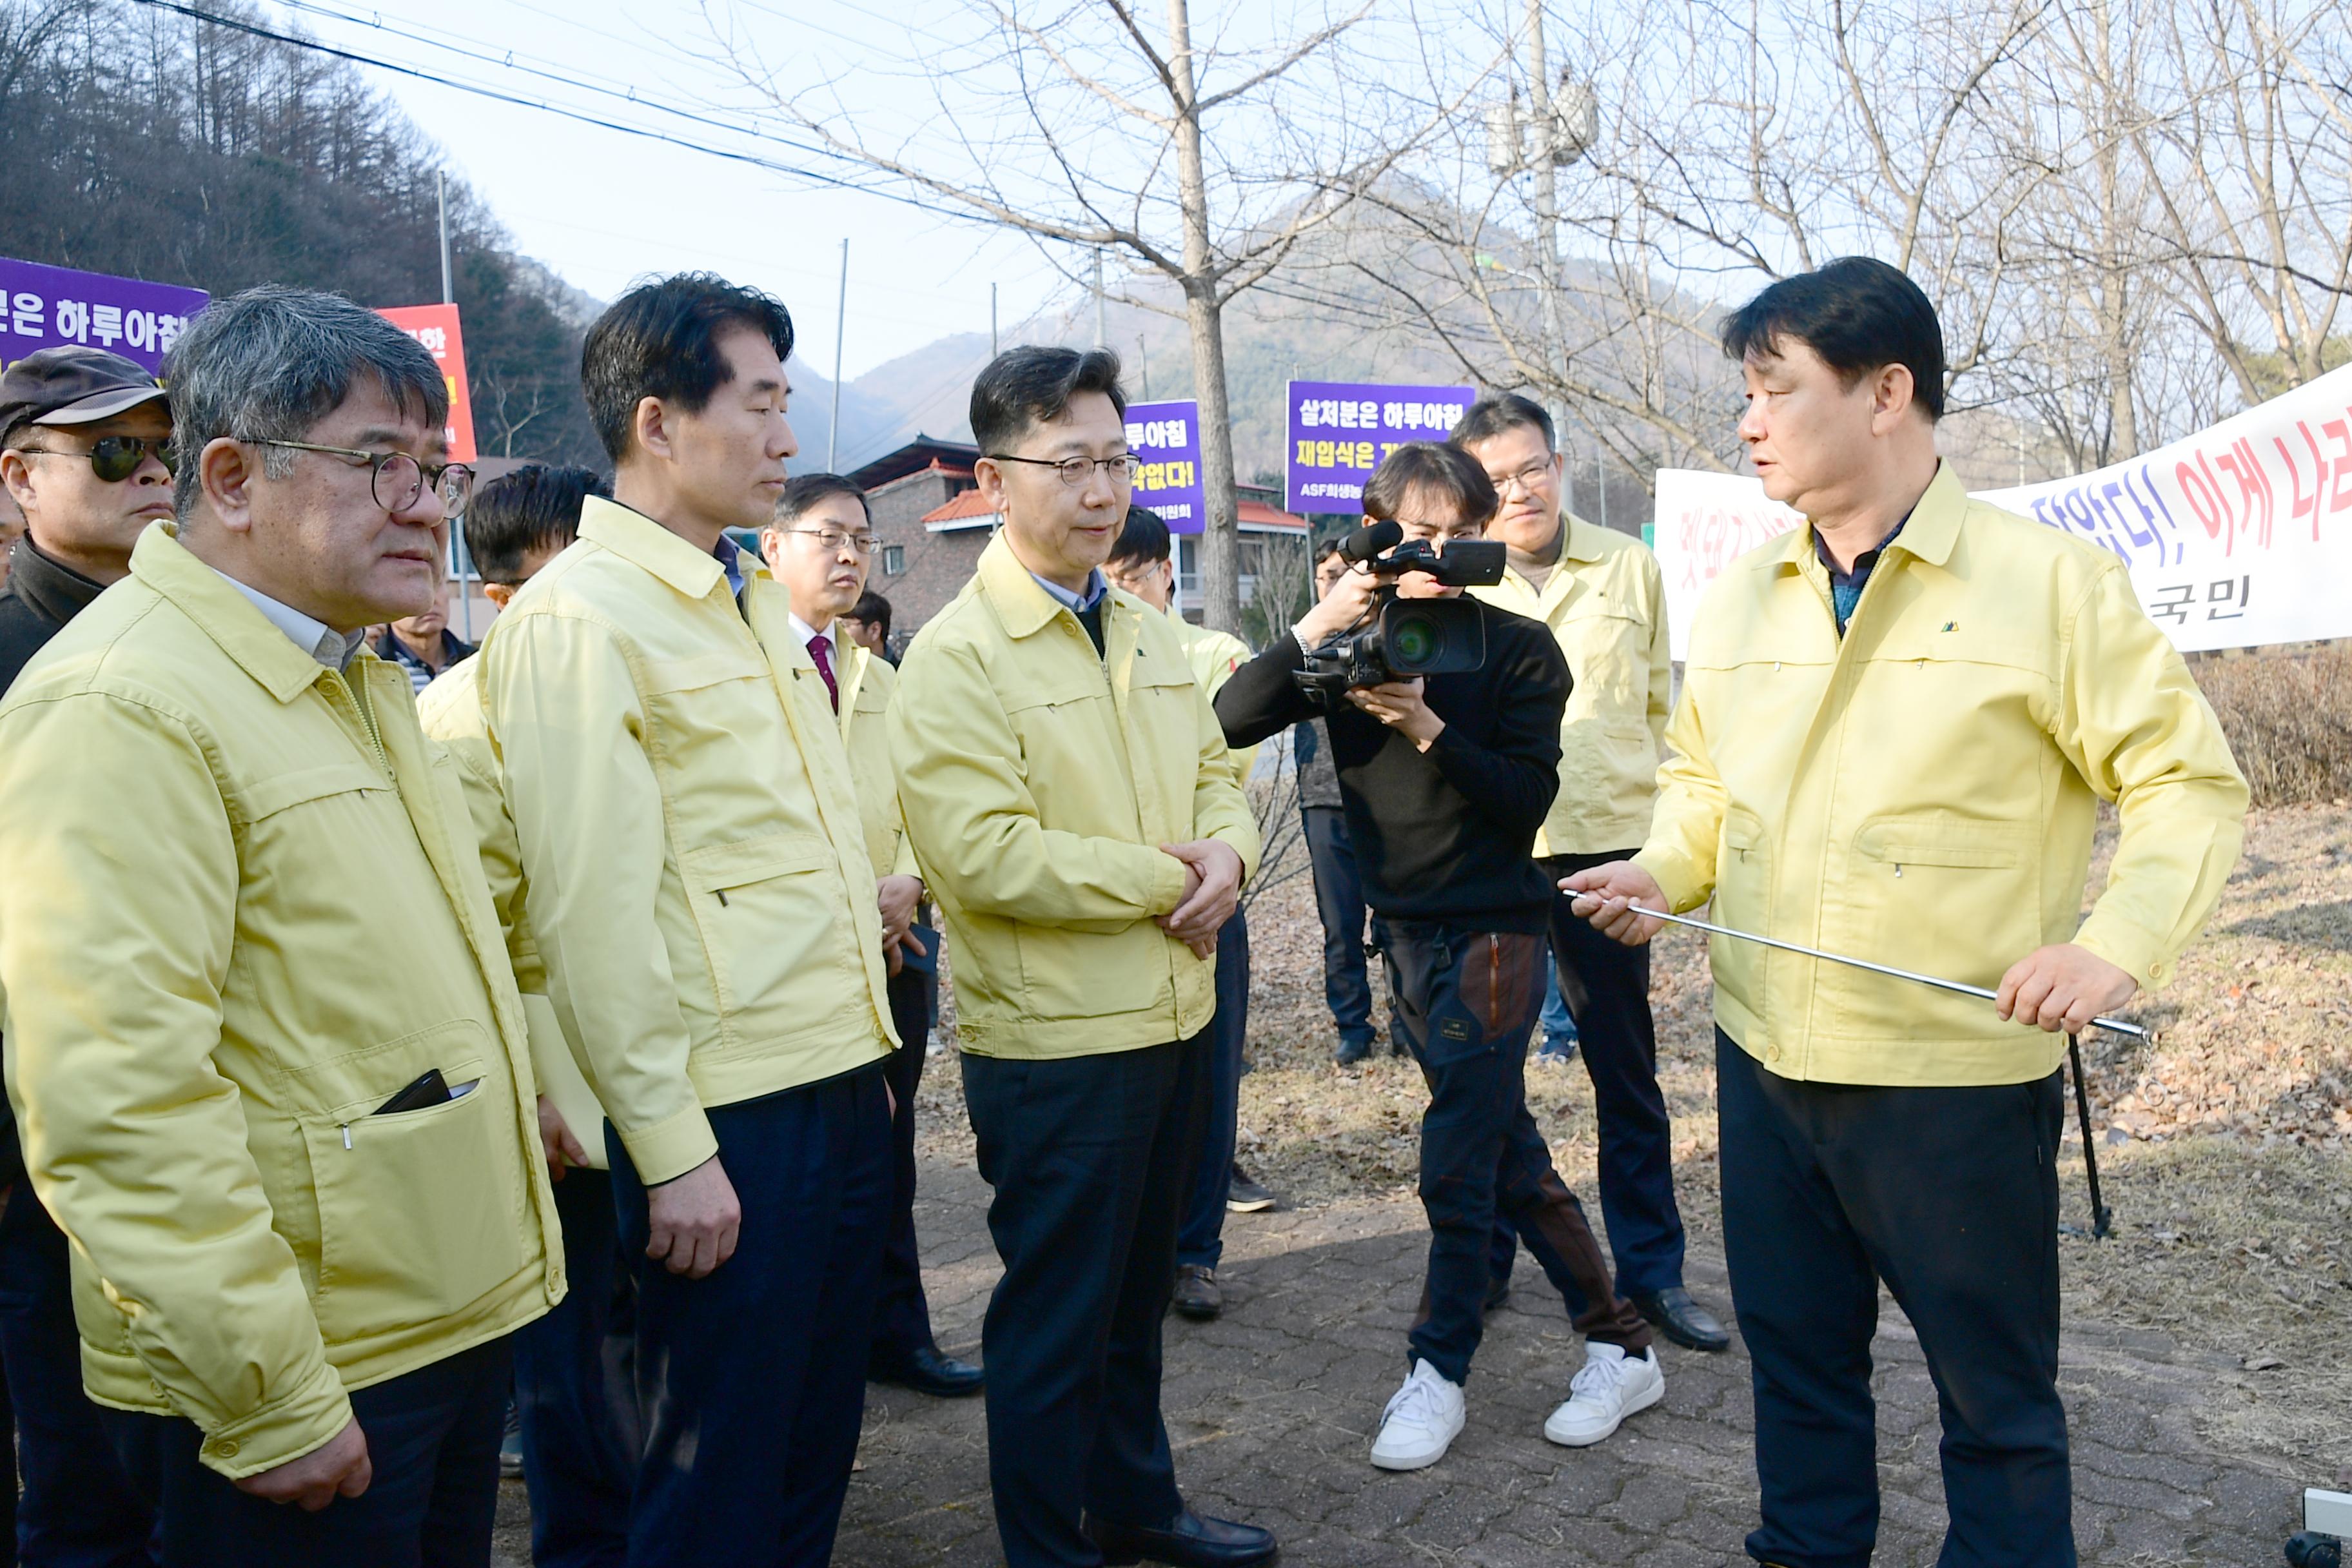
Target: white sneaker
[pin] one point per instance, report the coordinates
(1612, 1386)
(1421, 1421)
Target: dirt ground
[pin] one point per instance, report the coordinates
(2225, 1146)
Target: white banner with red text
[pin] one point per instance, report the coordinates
(2236, 537)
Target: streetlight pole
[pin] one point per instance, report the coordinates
(841, 330)
(441, 193)
(1102, 333)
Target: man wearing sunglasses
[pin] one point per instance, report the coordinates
(81, 433)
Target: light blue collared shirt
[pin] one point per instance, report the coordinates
(730, 560)
(322, 642)
(1078, 603)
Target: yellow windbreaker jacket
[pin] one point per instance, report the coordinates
(1214, 656)
(1920, 793)
(1606, 603)
(696, 875)
(1038, 782)
(239, 910)
(867, 684)
(450, 710)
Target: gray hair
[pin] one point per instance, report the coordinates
(270, 363)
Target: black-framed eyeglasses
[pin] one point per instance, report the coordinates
(395, 478)
(831, 540)
(1076, 472)
(114, 458)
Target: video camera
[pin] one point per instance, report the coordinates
(1403, 639)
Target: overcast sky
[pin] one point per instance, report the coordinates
(603, 207)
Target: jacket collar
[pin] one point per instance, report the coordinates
(647, 544)
(1023, 606)
(1583, 538)
(260, 649)
(50, 587)
(1928, 534)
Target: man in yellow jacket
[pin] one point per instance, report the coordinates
(575, 1455)
(1071, 803)
(1895, 725)
(1604, 600)
(1143, 563)
(819, 546)
(699, 888)
(264, 1043)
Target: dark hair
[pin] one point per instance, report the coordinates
(805, 491)
(661, 340)
(1491, 416)
(1025, 387)
(874, 610)
(1858, 314)
(1143, 537)
(1447, 472)
(535, 508)
(270, 363)
(1324, 551)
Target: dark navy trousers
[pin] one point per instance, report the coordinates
(1950, 1196)
(751, 1381)
(433, 1441)
(902, 1315)
(78, 1510)
(1088, 1156)
(574, 1389)
(1339, 901)
(1200, 1233)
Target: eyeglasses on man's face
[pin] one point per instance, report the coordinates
(833, 540)
(1076, 472)
(396, 480)
(1527, 478)
(114, 458)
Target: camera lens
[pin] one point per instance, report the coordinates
(1415, 642)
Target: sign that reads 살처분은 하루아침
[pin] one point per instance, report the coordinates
(1166, 440)
(1341, 430)
(49, 306)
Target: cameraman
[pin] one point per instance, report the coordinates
(1446, 780)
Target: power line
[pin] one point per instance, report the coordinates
(581, 116)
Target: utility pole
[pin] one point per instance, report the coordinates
(991, 321)
(841, 330)
(1101, 333)
(1143, 367)
(441, 190)
(1546, 205)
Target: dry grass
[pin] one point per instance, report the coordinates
(2289, 718)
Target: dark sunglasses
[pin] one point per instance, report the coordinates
(115, 458)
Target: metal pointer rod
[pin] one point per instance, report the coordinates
(2118, 1025)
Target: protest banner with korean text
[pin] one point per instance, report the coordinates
(1166, 440)
(436, 328)
(46, 307)
(2237, 537)
(1341, 430)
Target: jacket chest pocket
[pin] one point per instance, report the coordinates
(421, 1212)
(1607, 665)
(765, 916)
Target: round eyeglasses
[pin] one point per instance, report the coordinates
(396, 480)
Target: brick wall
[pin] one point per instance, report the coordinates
(933, 567)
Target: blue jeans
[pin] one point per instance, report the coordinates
(752, 1379)
(79, 1509)
(1559, 1026)
(433, 1441)
(574, 1389)
(1339, 902)
(1200, 1239)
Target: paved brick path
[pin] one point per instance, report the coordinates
(1271, 1410)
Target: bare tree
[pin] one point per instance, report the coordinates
(1205, 164)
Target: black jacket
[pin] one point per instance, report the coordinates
(41, 596)
(1447, 834)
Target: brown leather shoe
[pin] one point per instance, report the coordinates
(1196, 1295)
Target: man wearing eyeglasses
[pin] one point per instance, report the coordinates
(83, 437)
(820, 547)
(266, 1046)
(1604, 599)
(1071, 803)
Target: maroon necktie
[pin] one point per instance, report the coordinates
(821, 650)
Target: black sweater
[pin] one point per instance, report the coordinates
(1447, 834)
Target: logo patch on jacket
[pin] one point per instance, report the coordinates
(1454, 1028)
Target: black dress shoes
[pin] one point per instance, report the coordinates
(1676, 1315)
(927, 1370)
(1191, 1543)
(1197, 1295)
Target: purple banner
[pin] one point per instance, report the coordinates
(43, 306)
(1167, 437)
(1340, 431)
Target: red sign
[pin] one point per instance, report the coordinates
(436, 327)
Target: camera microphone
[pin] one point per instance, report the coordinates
(1374, 539)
